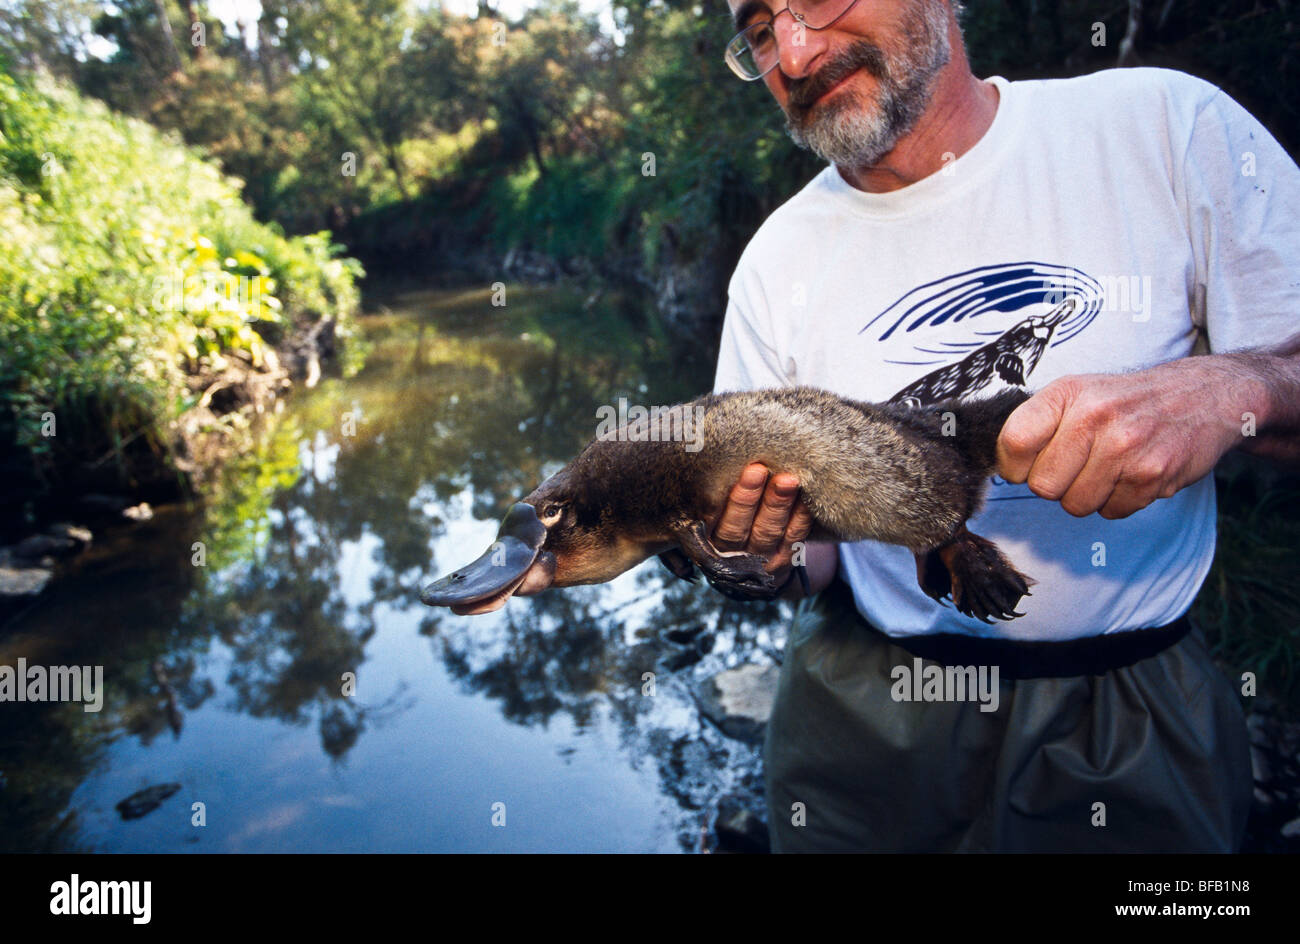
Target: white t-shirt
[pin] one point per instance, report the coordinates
(1102, 224)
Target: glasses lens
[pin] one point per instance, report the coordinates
(819, 14)
(752, 53)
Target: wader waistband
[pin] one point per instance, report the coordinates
(1016, 659)
(1021, 659)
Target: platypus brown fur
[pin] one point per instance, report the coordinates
(902, 475)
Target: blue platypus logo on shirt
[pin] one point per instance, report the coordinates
(1001, 319)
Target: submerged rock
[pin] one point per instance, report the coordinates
(23, 581)
(145, 801)
(140, 512)
(104, 504)
(740, 829)
(73, 532)
(43, 545)
(739, 700)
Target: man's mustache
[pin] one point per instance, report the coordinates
(803, 93)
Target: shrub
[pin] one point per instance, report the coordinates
(128, 263)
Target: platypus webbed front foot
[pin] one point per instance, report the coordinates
(736, 571)
(981, 581)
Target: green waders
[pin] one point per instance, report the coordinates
(1148, 757)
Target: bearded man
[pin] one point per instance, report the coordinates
(1081, 239)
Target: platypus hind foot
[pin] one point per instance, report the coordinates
(983, 583)
(932, 575)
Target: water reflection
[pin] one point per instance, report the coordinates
(269, 652)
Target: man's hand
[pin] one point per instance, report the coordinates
(765, 516)
(1114, 443)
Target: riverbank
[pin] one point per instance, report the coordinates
(230, 395)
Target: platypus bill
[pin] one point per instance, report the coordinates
(886, 472)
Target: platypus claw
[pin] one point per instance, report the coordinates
(972, 571)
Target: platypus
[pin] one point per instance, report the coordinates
(904, 475)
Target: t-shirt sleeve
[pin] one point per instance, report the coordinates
(1243, 193)
(747, 355)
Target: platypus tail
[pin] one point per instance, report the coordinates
(980, 421)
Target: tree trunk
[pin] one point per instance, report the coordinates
(1128, 45)
(394, 161)
(529, 125)
(192, 15)
(265, 51)
(168, 37)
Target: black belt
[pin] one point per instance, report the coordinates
(1023, 659)
(1016, 659)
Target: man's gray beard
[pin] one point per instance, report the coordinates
(852, 133)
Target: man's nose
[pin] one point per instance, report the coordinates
(799, 47)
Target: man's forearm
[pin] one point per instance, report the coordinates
(1114, 443)
(1274, 375)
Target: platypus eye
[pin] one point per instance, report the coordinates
(551, 512)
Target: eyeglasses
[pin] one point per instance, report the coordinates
(752, 52)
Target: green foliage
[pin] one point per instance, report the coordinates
(129, 263)
(458, 134)
(1250, 603)
(1246, 46)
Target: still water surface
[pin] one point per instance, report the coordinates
(227, 678)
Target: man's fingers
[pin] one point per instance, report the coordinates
(1091, 489)
(1056, 468)
(800, 526)
(1028, 430)
(801, 523)
(732, 531)
(767, 533)
(1143, 479)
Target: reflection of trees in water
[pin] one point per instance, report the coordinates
(562, 652)
(120, 610)
(480, 414)
(286, 622)
(490, 418)
(447, 415)
(161, 706)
